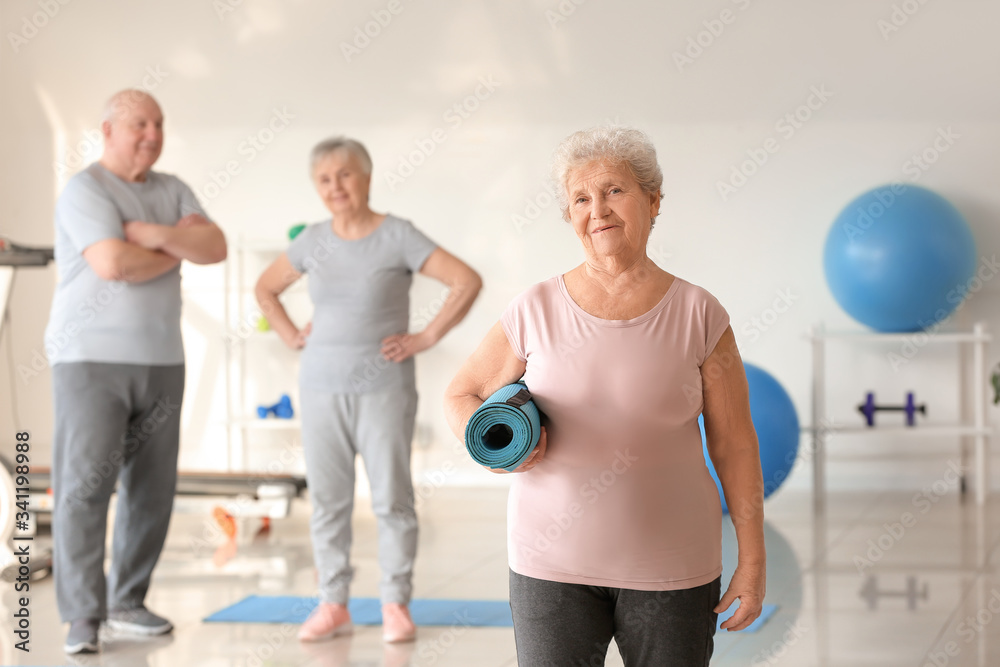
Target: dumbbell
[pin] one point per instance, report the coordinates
(282, 409)
(868, 409)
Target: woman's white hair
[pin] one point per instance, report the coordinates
(619, 146)
(334, 144)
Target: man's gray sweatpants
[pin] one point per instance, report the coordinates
(379, 427)
(113, 422)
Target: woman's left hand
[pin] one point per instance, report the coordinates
(748, 585)
(403, 346)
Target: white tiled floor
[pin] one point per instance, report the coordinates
(952, 552)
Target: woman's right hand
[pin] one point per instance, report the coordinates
(297, 341)
(531, 461)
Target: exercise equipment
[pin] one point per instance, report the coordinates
(777, 427)
(40, 561)
(259, 495)
(871, 593)
(504, 430)
(13, 254)
(229, 523)
(282, 409)
(868, 409)
(13, 257)
(295, 230)
(899, 258)
(8, 562)
(366, 611)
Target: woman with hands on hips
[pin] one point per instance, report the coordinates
(614, 522)
(358, 391)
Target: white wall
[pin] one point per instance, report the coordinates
(221, 76)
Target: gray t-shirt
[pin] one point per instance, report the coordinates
(113, 321)
(360, 291)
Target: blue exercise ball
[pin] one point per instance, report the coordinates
(899, 258)
(777, 425)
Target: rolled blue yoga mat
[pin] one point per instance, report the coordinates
(503, 432)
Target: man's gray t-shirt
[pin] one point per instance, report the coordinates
(114, 321)
(360, 291)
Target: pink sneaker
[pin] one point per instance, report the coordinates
(397, 626)
(326, 622)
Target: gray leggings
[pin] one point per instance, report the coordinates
(571, 625)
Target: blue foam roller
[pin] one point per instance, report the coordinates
(503, 432)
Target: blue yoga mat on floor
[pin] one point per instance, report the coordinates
(504, 430)
(368, 611)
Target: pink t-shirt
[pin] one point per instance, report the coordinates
(623, 497)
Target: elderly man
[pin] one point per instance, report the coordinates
(114, 342)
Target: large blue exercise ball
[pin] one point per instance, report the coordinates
(899, 258)
(777, 425)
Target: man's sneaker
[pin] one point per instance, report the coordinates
(138, 621)
(82, 636)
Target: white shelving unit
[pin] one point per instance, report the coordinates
(973, 394)
(240, 419)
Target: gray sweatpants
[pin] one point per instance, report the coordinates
(113, 422)
(379, 427)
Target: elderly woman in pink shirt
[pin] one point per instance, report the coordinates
(614, 522)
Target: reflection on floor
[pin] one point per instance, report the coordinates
(887, 579)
